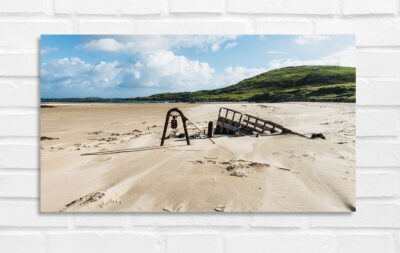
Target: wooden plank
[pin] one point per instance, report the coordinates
(262, 126)
(247, 125)
(268, 122)
(230, 110)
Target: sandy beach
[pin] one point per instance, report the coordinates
(107, 157)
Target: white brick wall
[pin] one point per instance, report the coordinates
(375, 227)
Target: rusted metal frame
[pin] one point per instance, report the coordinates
(184, 119)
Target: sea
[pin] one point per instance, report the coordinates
(94, 100)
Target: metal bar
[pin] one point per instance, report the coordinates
(165, 128)
(185, 129)
(198, 129)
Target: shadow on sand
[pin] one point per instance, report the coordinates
(129, 150)
(109, 152)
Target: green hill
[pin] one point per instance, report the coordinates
(302, 83)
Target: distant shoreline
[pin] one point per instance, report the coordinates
(130, 101)
(54, 104)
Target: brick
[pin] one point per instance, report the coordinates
(19, 93)
(105, 7)
(377, 92)
(22, 6)
(377, 184)
(102, 242)
(355, 7)
(378, 63)
(19, 156)
(19, 64)
(19, 185)
(380, 32)
(368, 215)
(143, 7)
(193, 27)
(102, 220)
(376, 123)
(275, 220)
(26, 214)
(279, 243)
(365, 243)
(193, 243)
(318, 7)
(206, 219)
(105, 27)
(283, 27)
(378, 154)
(200, 6)
(26, 34)
(87, 7)
(376, 32)
(19, 125)
(22, 243)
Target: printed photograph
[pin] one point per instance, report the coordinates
(197, 123)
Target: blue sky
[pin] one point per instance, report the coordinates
(139, 65)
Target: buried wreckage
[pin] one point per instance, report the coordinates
(231, 122)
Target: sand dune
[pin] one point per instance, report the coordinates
(106, 157)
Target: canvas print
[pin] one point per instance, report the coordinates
(197, 123)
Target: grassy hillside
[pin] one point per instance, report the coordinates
(303, 83)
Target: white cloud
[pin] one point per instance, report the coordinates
(345, 57)
(230, 45)
(310, 39)
(156, 66)
(233, 75)
(49, 50)
(107, 44)
(144, 44)
(161, 71)
(275, 52)
(166, 70)
(75, 73)
(215, 47)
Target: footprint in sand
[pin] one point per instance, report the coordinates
(95, 132)
(111, 139)
(198, 162)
